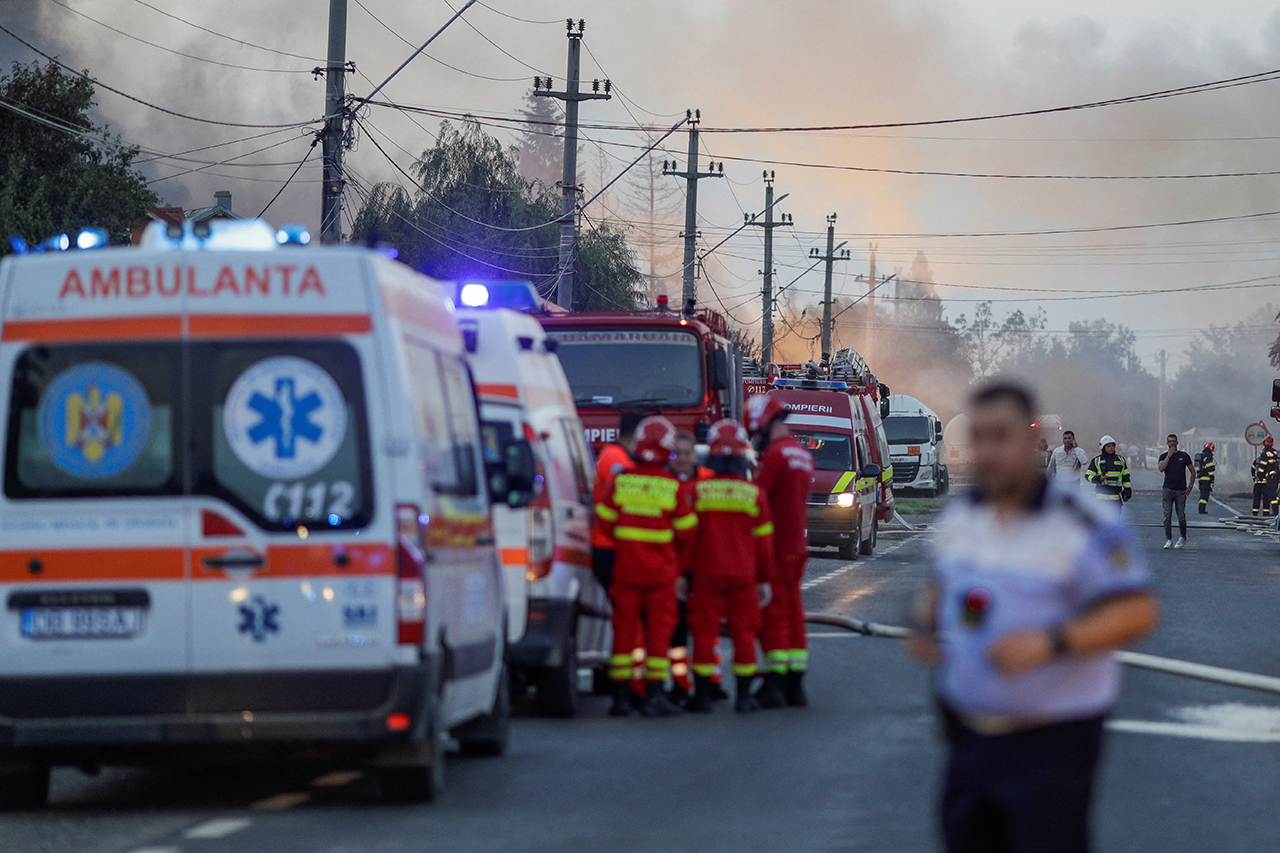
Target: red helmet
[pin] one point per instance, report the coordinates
(761, 411)
(1268, 441)
(1209, 446)
(655, 440)
(728, 438)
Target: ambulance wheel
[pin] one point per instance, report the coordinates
(488, 734)
(556, 688)
(24, 784)
(848, 550)
(869, 544)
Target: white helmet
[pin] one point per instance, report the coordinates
(1105, 440)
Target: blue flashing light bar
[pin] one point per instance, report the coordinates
(92, 238)
(516, 295)
(293, 235)
(811, 384)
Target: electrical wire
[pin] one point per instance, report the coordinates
(227, 37)
(434, 59)
(177, 52)
(499, 47)
(165, 110)
(228, 162)
(515, 18)
(285, 185)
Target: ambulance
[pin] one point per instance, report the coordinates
(833, 424)
(545, 547)
(246, 512)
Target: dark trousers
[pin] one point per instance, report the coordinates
(1260, 499)
(1169, 500)
(1205, 489)
(1026, 792)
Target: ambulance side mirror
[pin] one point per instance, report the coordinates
(520, 474)
(871, 470)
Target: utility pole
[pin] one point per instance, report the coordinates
(569, 182)
(830, 257)
(333, 136)
(1164, 357)
(766, 322)
(691, 176)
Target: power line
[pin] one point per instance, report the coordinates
(227, 37)
(283, 186)
(434, 59)
(515, 18)
(412, 56)
(1214, 85)
(171, 50)
(101, 85)
(499, 47)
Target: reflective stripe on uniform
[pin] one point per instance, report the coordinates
(745, 669)
(798, 659)
(765, 529)
(606, 513)
(777, 660)
(685, 522)
(706, 670)
(644, 534)
(620, 667)
(656, 669)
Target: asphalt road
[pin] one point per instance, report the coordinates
(1189, 766)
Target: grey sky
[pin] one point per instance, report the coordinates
(750, 63)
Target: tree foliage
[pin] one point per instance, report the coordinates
(58, 171)
(472, 214)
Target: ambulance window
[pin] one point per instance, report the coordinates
(431, 418)
(90, 420)
(831, 451)
(583, 470)
(464, 434)
(279, 432)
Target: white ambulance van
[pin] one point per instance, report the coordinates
(545, 546)
(245, 510)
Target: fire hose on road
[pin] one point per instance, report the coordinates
(1172, 666)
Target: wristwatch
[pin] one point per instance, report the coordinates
(1058, 640)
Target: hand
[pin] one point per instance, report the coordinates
(682, 588)
(1186, 491)
(1021, 652)
(765, 593)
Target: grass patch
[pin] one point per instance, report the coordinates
(919, 506)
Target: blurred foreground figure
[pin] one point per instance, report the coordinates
(1033, 588)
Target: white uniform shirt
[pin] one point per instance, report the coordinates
(1033, 572)
(1068, 465)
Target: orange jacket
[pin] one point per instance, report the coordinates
(735, 533)
(611, 462)
(652, 523)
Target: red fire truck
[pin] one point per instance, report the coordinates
(679, 364)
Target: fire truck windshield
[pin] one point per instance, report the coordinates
(830, 452)
(619, 367)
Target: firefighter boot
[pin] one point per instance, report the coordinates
(745, 702)
(621, 706)
(700, 702)
(770, 694)
(793, 689)
(656, 702)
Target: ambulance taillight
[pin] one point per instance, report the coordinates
(411, 584)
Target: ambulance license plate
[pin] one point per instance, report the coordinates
(82, 623)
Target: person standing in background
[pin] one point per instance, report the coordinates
(1067, 463)
(1175, 464)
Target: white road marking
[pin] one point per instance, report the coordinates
(336, 779)
(1229, 509)
(157, 850)
(1194, 730)
(280, 802)
(821, 579)
(822, 635)
(219, 827)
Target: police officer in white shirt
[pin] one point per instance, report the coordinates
(1033, 589)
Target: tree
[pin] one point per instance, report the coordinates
(58, 171)
(541, 149)
(656, 198)
(1226, 382)
(472, 214)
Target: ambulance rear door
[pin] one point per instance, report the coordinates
(293, 562)
(92, 539)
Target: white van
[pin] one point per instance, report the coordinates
(245, 505)
(524, 393)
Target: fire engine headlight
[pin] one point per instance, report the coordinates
(844, 499)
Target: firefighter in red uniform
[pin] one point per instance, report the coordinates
(785, 476)
(649, 518)
(685, 466)
(614, 458)
(731, 562)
